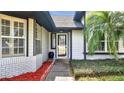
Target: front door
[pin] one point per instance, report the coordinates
(62, 43)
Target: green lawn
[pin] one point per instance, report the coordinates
(98, 70)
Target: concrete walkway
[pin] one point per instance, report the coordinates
(61, 68)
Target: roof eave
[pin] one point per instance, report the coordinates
(79, 15)
(42, 17)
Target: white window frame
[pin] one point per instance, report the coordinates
(12, 20)
(53, 38)
(39, 36)
(106, 50)
(100, 51)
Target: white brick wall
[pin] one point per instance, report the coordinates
(16, 65)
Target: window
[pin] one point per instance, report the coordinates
(53, 41)
(6, 46)
(18, 46)
(18, 29)
(37, 39)
(116, 45)
(101, 46)
(19, 40)
(38, 47)
(5, 25)
(13, 40)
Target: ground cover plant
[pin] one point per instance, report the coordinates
(98, 69)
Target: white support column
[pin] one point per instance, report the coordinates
(121, 45)
(30, 36)
(106, 49)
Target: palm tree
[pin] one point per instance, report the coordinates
(104, 23)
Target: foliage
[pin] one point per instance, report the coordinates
(98, 69)
(102, 78)
(108, 23)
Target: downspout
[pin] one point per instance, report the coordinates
(70, 45)
(27, 37)
(85, 58)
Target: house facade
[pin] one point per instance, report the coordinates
(26, 38)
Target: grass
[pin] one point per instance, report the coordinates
(102, 78)
(98, 70)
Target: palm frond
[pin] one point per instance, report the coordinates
(109, 23)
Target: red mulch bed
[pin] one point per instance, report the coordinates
(31, 76)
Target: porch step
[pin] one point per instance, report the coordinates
(61, 78)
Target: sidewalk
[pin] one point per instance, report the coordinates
(60, 69)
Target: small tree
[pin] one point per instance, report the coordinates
(106, 23)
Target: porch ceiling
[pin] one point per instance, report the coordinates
(69, 22)
(66, 22)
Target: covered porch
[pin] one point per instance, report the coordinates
(40, 35)
(63, 38)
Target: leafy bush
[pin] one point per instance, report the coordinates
(98, 68)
